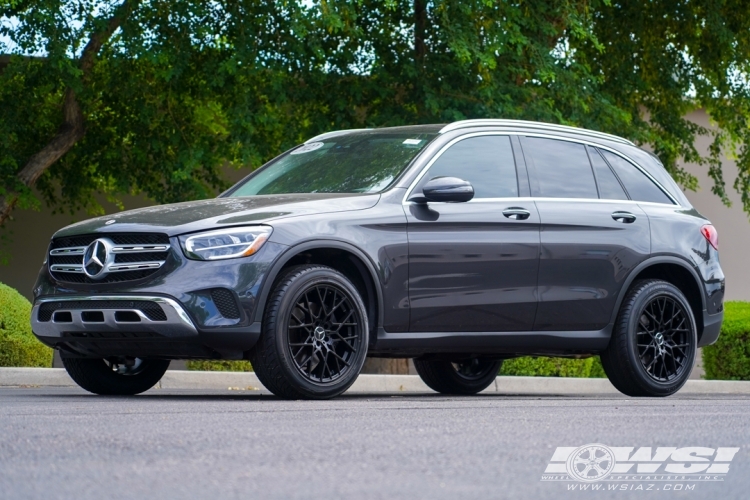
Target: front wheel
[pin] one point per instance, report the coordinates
(315, 333)
(121, 377)
(653, 345)
(467, 376)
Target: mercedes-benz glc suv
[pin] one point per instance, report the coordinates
(456, 245)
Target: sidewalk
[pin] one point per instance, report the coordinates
(551, 386)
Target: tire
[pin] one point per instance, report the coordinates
(465, 377)
(648, 355)
(302, 352)
(100, 376)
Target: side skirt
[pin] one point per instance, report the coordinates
(505, 344)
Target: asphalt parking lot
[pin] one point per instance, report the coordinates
(64, 443)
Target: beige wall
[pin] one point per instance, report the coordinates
(31, 231)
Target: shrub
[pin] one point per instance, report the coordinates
(729, 357)
(18, 346)
(219, 366)
(553, 367)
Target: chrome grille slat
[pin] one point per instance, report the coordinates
(66, 268)
(68, 251)
(133, 266)
(140, 248)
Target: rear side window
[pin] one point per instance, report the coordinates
(609, 187)
(639, 186)
(485, 161)
(562, 168)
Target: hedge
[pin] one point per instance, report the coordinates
(219, 366)
(18, 346)
(729, 357)
(553, 367)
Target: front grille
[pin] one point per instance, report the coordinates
(152, 310)
(225, 303)
(131, 256)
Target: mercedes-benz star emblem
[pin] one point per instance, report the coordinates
(94, 258)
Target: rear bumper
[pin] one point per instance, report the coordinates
(133, 325)
(711, 328)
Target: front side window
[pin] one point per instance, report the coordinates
(638, 185)
(485, 161)
(359, 162)
(562, 168)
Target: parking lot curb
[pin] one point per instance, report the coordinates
(247, 381)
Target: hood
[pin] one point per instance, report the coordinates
(180, 218)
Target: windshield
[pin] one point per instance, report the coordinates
(361, 162)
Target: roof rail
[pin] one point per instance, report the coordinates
(533, 125)
(335, 133)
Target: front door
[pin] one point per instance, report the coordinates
(473, 265)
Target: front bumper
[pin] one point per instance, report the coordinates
(132, 325)
(195, 324)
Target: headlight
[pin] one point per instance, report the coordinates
(225, 243)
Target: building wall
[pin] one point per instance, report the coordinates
(30, 231)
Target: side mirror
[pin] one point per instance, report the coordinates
(446, 189)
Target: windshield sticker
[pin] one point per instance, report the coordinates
(306, 148)
(412, 142)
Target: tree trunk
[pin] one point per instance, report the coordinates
(420, 51)
(72, 128)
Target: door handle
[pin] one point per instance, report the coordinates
(516, 213)
(624, 217)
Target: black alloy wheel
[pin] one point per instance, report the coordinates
(663, 339)
(464, 376)
(324, 335)
(314, 337)
(653, 345)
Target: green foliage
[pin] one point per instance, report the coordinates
(729, 357)
(184, 87)
(18, 346)
(219, 366)
(553, 367)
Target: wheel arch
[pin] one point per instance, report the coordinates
(342, 256)
(673, 270)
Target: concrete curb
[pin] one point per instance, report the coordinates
(177, 379)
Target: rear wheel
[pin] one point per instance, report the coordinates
(314, 338)
(468, 376)
(116, 377)
(653, 345)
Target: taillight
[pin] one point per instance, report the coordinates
(709, 232)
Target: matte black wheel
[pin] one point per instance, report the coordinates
(654, 343)
(468, 376)
(124, 377)
(315, 334)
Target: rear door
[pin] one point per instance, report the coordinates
(473, 265)
(592, 234)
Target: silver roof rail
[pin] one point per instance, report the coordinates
(532, 125)
(335, 133)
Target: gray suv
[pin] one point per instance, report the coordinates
(457, 245)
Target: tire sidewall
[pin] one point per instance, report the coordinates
(281, 333)
(643, 379)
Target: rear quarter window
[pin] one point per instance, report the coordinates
(638, 185)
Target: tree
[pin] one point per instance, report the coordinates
(154, 97)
